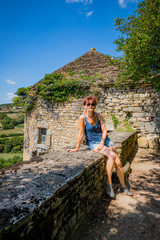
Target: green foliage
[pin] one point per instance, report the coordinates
(20, 125)
(6, 105)
(10, 135)
(2, 115)
(3, 140)
(10, 161)
(140, 43)
(13, 144)
(115, 120)
(71, 73)
(1, 148)
(9, 123)
(128, 126)
(125, 125)
(22, 91)
(26, 99)
(57, 87)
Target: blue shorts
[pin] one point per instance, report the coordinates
(108, 143)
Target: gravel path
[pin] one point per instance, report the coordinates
(130, 218)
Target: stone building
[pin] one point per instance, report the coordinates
(52, 126)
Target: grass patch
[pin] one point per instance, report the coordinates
(14, 115)
(115, 120)
(11, 135)
(10, 155)
(20, 125)
(8, 131)
(125, 127)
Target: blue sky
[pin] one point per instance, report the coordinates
(39, 36)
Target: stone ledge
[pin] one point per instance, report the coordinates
(50, 196)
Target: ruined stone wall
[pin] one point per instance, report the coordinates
(61, 121)
(49, 196)
(62, 214)
(140, 106)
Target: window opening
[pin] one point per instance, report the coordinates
(42, 135)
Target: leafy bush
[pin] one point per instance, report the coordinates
(56, 87)
(7, 123)
(2, 116)
(3, 140)
(1, 147)
(26, 98)
(11, 143)
(10, 161)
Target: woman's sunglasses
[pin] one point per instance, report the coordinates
(92, 104)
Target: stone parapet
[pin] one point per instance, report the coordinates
(48, 197)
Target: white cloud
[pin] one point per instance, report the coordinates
(85, 2)
(88, 14)
(123, 3)
(10, 82)
(10, 96)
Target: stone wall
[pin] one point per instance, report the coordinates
(61, 121)
(140, 106)
(64, 211)
(49, 196)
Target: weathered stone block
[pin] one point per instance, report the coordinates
(150, 127)
(154, 142)
(143, 142)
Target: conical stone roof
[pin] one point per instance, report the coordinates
(92, 63)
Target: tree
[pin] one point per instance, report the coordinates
(7, 123)
(140, 43)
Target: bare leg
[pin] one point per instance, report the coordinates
(119, 169)
(110, 162)
(113, 160)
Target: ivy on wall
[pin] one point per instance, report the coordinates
(55, 87)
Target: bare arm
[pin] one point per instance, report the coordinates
(80, 135)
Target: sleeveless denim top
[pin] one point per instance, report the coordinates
(93, 132)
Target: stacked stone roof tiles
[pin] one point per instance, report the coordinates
(93, 63)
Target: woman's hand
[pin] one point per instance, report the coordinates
(100, 146)
(72, 150)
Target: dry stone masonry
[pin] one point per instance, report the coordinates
(52, 126)
(49, 196)
(60, 120)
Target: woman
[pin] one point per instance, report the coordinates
(92, 125)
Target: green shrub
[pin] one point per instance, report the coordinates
(2, 116)
(3, 140)
(10, 161)
(1, 148)
(56, 87)
(11, 143)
